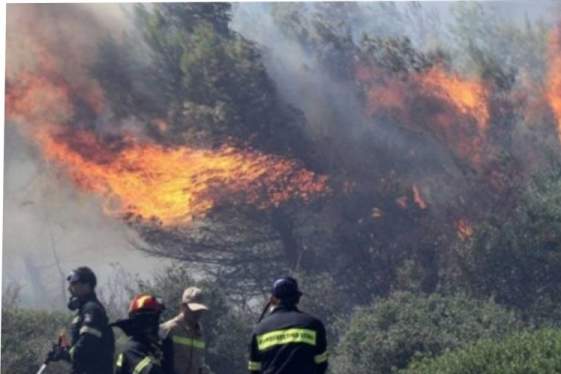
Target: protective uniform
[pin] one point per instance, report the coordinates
(188, 341)
(92, 341)
(140, 356)
(188, 346)
(288, 341)
(144, 352)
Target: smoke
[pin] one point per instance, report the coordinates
(303, 71)
(46, 217)
(329, 104)
(335, 115)
(72, 33)
(49, 226)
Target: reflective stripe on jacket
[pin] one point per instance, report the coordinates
(188, 345)
(288, 341)
(92, 340)
(140, 356)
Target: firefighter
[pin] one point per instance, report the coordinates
(144, 352)
(185, 332)
(92, 342)
(288, 341)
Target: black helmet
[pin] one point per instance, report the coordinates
(83, 274)
(286, 288)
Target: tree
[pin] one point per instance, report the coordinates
(481, 34)
(205, 81)
(516, 259)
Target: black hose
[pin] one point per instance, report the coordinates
(264, 311)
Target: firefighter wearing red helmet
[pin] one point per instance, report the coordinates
(288, 341)
(143, 352)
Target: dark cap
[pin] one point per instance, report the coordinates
(83, 274)
(286, 288)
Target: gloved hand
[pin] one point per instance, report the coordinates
(58, 353)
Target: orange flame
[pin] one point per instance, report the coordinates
(464, 229)
(175, 185)
(384, 93)
(171, 185)
(468, 96)
(418, 198)
(553, 84)
(462, 118)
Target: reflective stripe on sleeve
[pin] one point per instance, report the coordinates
(71, 352)
(254, 366)
(197, 343)
(119, 362)
(141, 365)
(321, 358)
(281, 337)
(90, 330)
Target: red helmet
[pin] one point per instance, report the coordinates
(145, 303)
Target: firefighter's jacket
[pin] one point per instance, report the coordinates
(92, 341)
(141, 355)
(188, 345)
(288, 341)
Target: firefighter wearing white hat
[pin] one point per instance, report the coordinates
(185, 331)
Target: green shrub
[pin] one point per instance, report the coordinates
(522, 353)
(27, 336)
(387, 335)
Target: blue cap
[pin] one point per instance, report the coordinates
(285, 288)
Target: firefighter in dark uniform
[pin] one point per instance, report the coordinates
(92, 343)
(144, 352)
(288, 341)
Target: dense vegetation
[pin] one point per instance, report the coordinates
(387, 335)
(27, 335)
(526, 352)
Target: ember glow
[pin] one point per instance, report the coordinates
(468, 96)
(553, 83)
(418, 198)
(460, 118)
(464, 229)
(141, 179)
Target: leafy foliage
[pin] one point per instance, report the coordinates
(27, 336)
(205, 81)
(516, 259)
(385, 336)
(521, 353)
